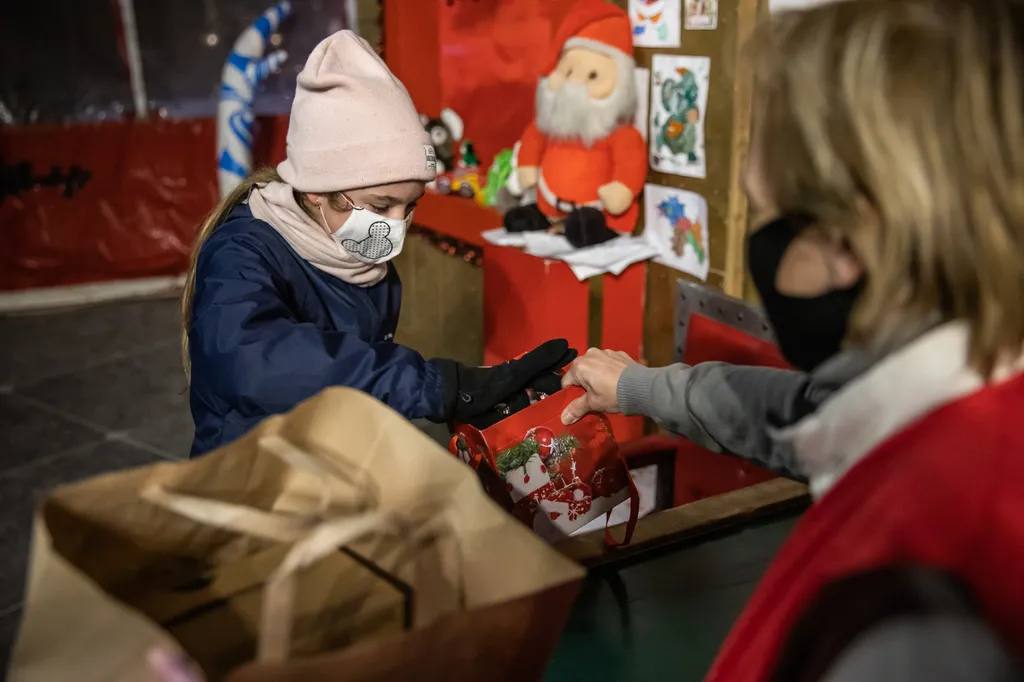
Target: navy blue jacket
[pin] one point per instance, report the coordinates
(270, 330)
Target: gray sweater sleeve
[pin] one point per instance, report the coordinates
(719, 406)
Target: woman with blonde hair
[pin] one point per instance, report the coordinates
(291, 289)
(887, 180)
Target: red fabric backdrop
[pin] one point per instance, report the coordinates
(491, 55)
(148, 186)
(151, 182)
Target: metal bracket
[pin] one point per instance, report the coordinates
(695, 298)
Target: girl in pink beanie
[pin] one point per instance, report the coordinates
(291, 289)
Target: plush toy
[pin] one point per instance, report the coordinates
(445, 133)
(582, 152)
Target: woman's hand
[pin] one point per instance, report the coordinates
(169, 666)
(598, 373)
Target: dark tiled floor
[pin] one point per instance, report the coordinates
(83, 392)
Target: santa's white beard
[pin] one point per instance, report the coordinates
(570, 113)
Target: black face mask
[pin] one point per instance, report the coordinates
(809, 330)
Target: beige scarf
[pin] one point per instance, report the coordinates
(274, 203)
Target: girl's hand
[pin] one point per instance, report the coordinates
(598, 373)
(169, 666)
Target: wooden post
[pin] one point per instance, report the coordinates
(727, 139)
(738, 217)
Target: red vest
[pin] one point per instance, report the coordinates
(946, 491)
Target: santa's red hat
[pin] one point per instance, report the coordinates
(595, 25)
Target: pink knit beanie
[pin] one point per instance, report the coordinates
(353, 124)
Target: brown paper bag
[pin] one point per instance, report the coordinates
(352, 524)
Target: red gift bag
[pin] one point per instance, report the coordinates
(552, 477)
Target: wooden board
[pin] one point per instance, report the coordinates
(727, 136)
(442, 303)
(674, 526)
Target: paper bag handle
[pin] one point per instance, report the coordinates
(228, 516)
(249, 520)
(279, 593)
(314, 539)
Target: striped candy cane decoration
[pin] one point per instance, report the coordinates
(244, 69)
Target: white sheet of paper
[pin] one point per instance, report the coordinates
(679, 102)
(620, 267)
(611, 252)
(611, 257)
(700, 15)
(546, 245)
(643, 99)
(602, 254)
(646, 481)
(502, 237)
(656, 23)
(585, 272)
(786, 5)
(676, 225)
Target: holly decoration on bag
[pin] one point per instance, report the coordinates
(554, 451)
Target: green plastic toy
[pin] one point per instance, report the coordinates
(497, 175)
(468, 155)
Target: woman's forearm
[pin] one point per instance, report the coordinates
(719, 406)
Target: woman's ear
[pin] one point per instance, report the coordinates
(313, 199)
(844, 266)
(855, 251)
(817, 261)
(846, 269)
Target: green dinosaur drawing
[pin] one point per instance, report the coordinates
(678, 131)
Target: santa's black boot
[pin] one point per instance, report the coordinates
(526, 218)
(586, 227)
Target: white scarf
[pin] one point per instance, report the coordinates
(911, 382)
(274, 203)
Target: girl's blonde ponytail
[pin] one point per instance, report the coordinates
(211, 223)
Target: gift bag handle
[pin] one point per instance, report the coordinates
(634, 514)
(313, 536)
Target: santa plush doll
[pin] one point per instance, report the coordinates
(582, 153)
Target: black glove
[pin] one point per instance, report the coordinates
(542, 386)
(482, 396)
(526, 218)
(587, 227)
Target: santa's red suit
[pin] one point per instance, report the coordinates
(917, 461)
(570, 171)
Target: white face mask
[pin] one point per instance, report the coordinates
(370, 237)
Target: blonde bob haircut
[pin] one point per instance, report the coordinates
(900, 123)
